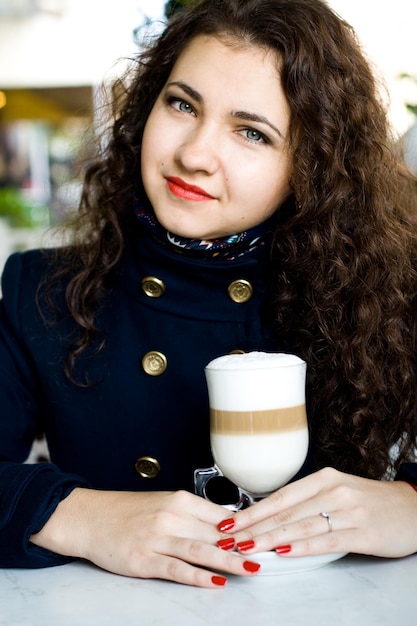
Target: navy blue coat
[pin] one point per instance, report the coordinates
(95, 435)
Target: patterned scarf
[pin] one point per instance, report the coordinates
(229, 247)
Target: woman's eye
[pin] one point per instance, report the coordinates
(184, 107)
(181, 105)
(255, 136)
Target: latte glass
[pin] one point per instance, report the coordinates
(258, 422)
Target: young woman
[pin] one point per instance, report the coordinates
(247, 199)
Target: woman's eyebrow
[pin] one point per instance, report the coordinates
(247, 116)
(188, 90)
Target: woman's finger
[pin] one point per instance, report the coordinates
(364, 516)
(281, 501)
(302, 533)
(185, 561)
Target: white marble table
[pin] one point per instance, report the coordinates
(354, 591)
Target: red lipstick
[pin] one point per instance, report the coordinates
(180, 188)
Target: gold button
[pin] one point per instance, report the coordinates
(147, 467)
(154, 363)
(240, 291)
(153, 287)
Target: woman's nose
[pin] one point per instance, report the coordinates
(199, 152)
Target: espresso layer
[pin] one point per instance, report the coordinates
(258, 422)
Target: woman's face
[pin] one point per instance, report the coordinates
(215, 154)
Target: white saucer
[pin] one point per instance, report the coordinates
(272, 564)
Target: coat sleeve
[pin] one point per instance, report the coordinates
(408, 473)
(29, 493)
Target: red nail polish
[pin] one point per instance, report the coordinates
(226, 544)
(242, 546)
(252, 567)
(220, 581)
(283, 549)
(226, 525)
(412, 486)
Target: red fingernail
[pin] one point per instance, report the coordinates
(252, 567)
(245, 545)
(412, 486)
(226, 544)
(226, 525)
(220, 581)
(283, 549)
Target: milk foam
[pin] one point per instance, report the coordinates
(262, 463)
(256, 381)
(254, 360)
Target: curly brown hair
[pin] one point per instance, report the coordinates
(345, 247)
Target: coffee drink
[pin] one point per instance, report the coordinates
(258, 422)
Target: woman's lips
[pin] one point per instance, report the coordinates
(180, 188)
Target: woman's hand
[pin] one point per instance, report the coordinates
(148, 535)
(366, 516)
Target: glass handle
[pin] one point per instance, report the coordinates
(204, 475)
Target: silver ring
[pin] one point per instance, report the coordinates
(329, 520)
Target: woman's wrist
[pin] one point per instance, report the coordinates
(62, 533)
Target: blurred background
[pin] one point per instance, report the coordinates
(55, 56)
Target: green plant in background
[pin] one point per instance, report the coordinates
(173, 6)
(20, 212)
(410, 107)
(409, 139)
